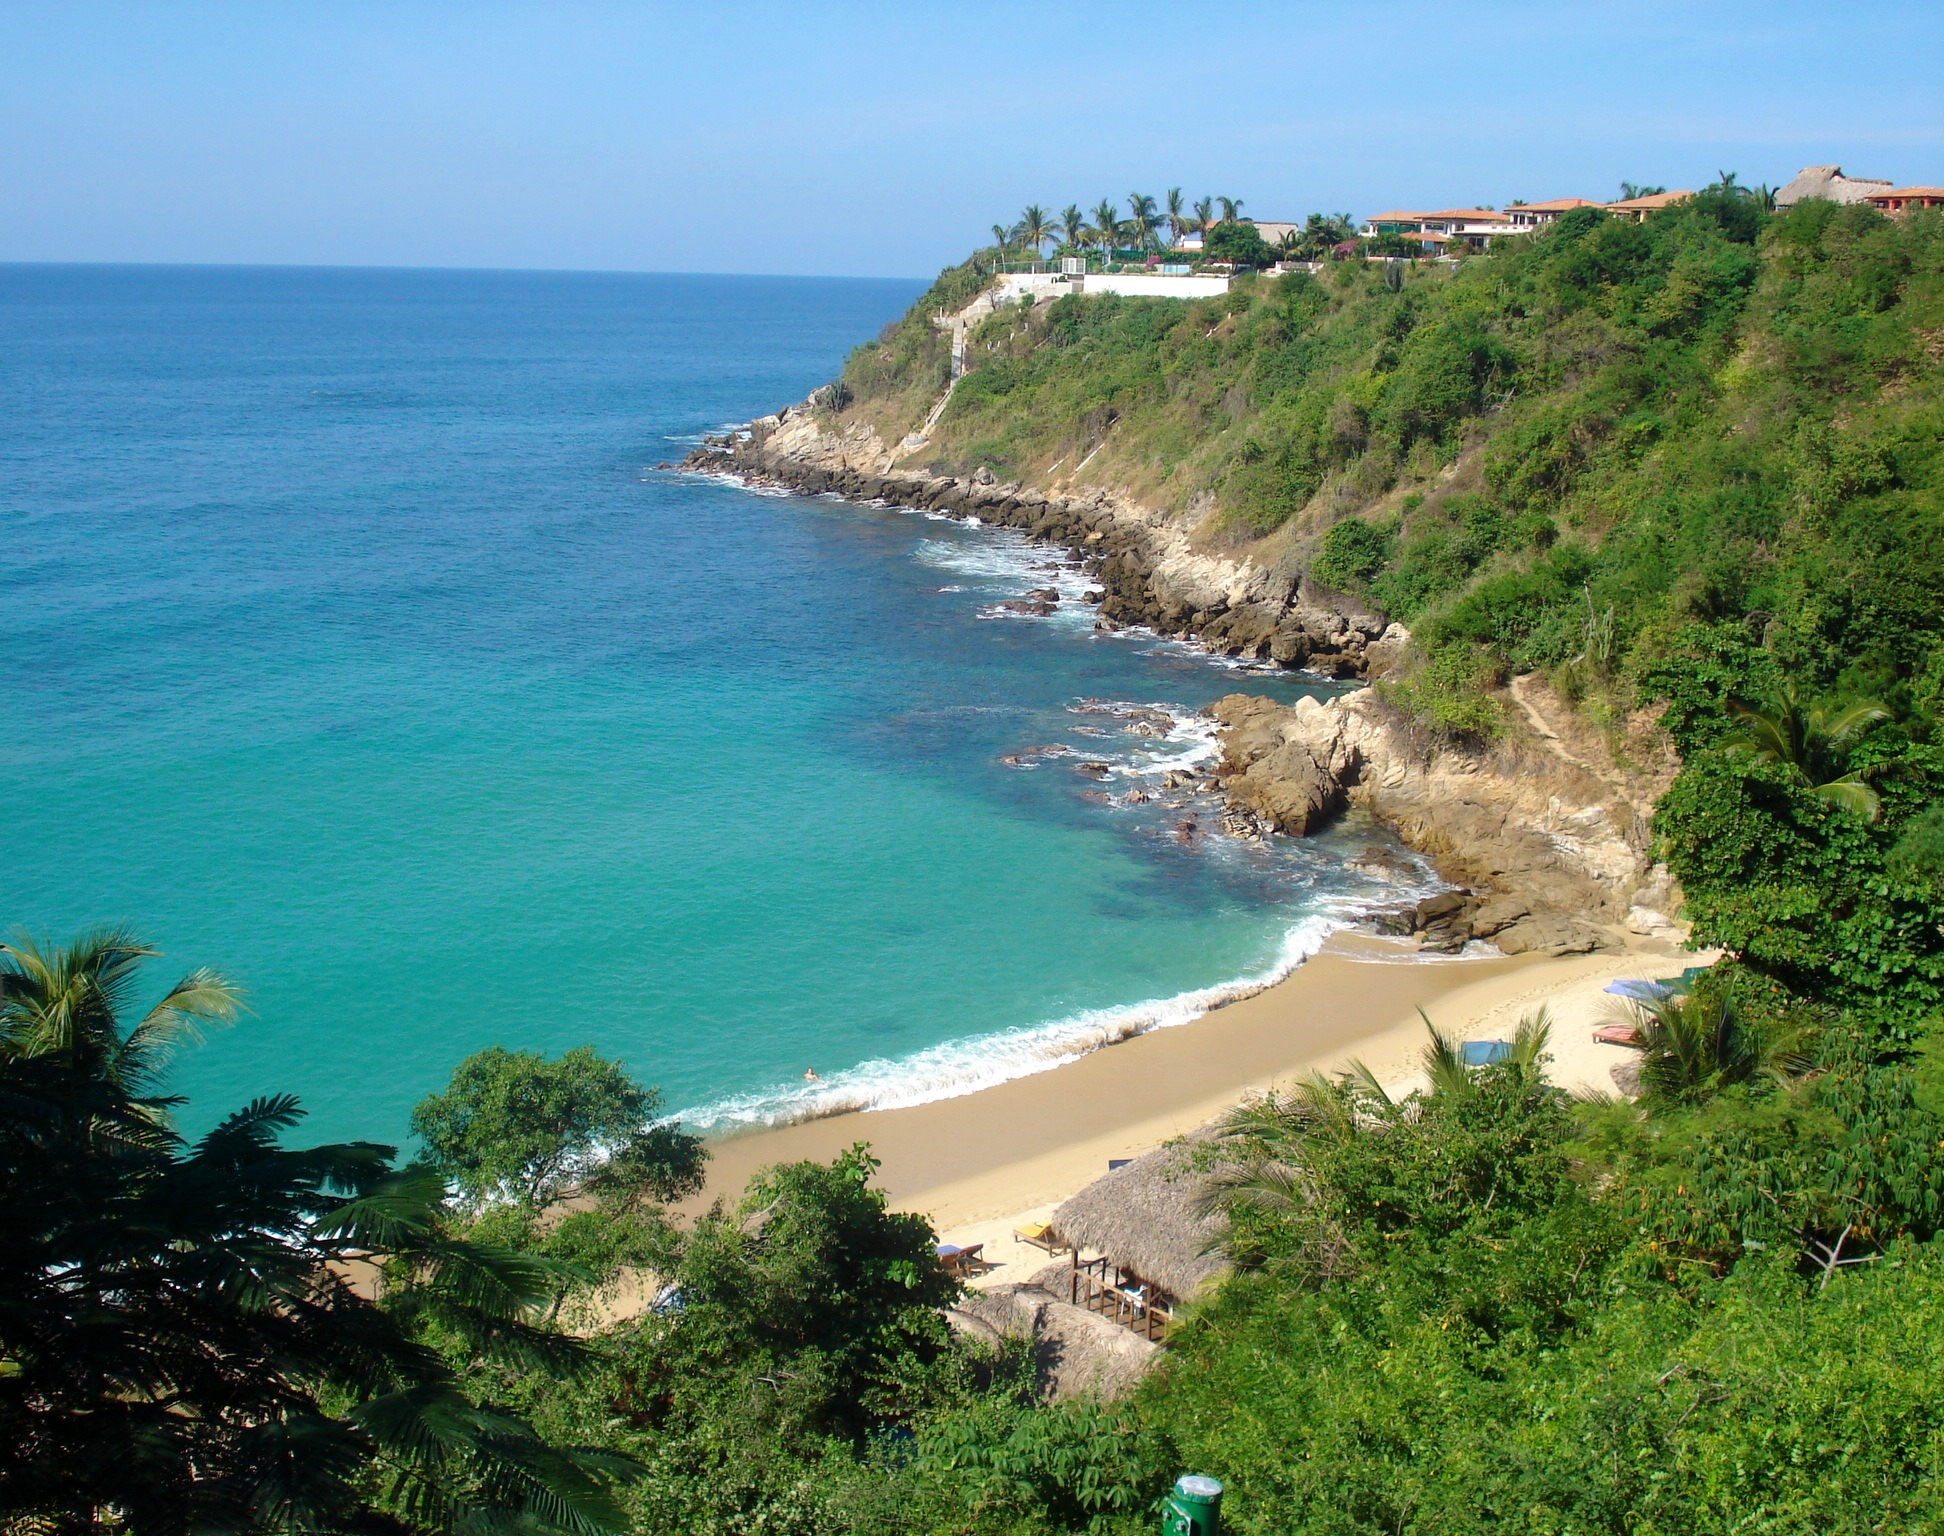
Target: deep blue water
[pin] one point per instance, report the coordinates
(350, 644)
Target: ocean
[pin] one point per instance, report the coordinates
(352, 645)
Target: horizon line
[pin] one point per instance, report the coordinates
(379, 266)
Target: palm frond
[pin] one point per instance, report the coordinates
(201, 999)
(1530, 1039)
(1444, 1061)
(1851, 794)
(1845, 727)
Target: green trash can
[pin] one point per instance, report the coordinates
(1194, 1508)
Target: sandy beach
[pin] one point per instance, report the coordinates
(980, 1164)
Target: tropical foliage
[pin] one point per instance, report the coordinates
(230, 1335)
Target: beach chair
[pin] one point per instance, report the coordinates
(1617, 1034)
(959, 1261)
(1040, 1234)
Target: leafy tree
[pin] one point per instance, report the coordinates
(813, 1286)
(1798, 887)
(1391, 243)
(1351, 555)
(187, 1342)
(1239, 243)
(1918, 856)
(514, 1123)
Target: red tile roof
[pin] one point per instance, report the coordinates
(1555, 205)
(1908, 192)
(1651, 202)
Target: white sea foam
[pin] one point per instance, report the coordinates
(959, 1067)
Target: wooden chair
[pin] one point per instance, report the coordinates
(1040, 1234)
(959, 1261)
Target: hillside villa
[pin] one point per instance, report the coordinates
(1479, 227)
(1903, 199)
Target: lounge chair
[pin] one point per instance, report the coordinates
(959, 1261)
(1040, 1234)
(1617, 1034)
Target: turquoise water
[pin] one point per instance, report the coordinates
(350, 645)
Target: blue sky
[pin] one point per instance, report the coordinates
(881, 139)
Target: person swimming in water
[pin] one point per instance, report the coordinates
(810, 1075)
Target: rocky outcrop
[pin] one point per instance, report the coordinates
(1550, 857)
(1146, 568)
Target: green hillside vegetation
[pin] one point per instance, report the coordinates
(1691, 466)
(1718, 417)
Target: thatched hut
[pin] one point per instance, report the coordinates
(1142, 1217)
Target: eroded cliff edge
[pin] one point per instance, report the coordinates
(1548, 845)
(1147, 568)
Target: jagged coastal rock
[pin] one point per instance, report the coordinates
(1550, 853)
(1553, 858)
(1146, 568)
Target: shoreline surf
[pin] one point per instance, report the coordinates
(971, 1064)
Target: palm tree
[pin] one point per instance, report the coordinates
(1231, 208)
(1812, 744)
(1177, 217)
(1107, 225)
(1034, 228)
(185, 1347)
(1073, 226)
(1691, 1048)
(64, 1006)
(1204, 215)
(1142, 217)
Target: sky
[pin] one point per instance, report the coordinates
(886, 139)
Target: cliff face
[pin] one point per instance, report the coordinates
(1148, 570)
(1552, 846)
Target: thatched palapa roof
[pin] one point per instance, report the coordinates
(1143, 1218)
(1827, 181)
